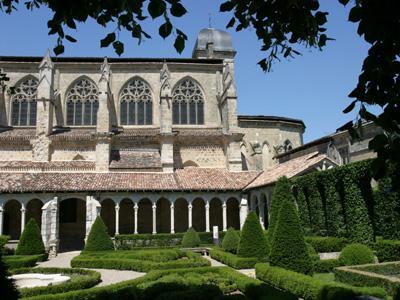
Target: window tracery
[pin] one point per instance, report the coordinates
(136, 106)
(82, 103)
(187, 103)
(24, 105)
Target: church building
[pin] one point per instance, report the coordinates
(150, 145)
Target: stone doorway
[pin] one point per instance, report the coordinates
(72, 222)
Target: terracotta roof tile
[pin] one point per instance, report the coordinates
(17, 133)
(135, 159)
(47, 166)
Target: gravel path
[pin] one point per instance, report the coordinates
(248, 272)
(63, 260)
(214, 263)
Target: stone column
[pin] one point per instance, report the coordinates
(135, 208)
(224, 216)
(207, 206)
(244, 210)
(261, 210)
(23, 213)
(190, 221)
(1, 220)
(172, 216)
(54, 227)
(93, 208)
(116, 218)
(154, 218)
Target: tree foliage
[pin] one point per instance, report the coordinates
(30, 242)
(230, 241)
(356, 254)
(7, 288)
(191, 238)
(98, 239)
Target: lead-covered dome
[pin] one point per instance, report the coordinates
(219, 41)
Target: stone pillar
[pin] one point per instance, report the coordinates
(154, 218)
(190, 221)
(135, 208)
(232, 149)
(261, 210)
(167, 151)
(50, 226)
(44, 111)
(207, 206)
(224, 216)
(1, 220)
(172, 216)
(93, 208)
(244, 210)
(23, 214)
(116, 219)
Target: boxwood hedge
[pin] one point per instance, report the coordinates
(327, 243)
(233, 260)
(387, 250)
(22, 261)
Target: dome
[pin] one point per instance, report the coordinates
(221, 41)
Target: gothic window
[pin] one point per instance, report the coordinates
(287, 145)
(82, 103)
(187, 103)
(136, 106)
(23, 103)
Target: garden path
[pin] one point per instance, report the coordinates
(248, 272)
(63, 260)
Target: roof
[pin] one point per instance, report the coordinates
(140, 159)
(65, 166)
(222, 41)
(190, 179)
(270, 118)
(289, 169)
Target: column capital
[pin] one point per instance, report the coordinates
(154, 206)
(23, 209)
(117, 206)
(135, 206)
(190, 206)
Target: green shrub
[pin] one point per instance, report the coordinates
(356, 254)
(326, 265)
(387, 250)
(302, 203)
(30, 242)
(288, 247)
(231, 241)
(80, 279)
(98, 239)
(314, 256)
(252, 240)
(309, 288)
(7, 287)
(23, 261)
(326, 243)
(316, 210)
(3, 241)
(233, 260)
(191, 238)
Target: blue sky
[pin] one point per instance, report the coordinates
(312, 87)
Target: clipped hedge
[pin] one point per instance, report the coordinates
(191, 238)
(374, 275)
(3, 241)
(356, 254)
(233, 260)
(309, 288)
(323, 244)
(23, 261)
(8, 289)
(387, 250)
(231, 241)
(30, 242)
(326, 265)
(87, 279)
(98, 239)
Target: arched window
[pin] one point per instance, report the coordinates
(287, 145)
(136, 106)
(82, 103)
(23, 108)
(187, 103)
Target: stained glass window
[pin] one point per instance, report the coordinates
(187, 103)
(24, 105)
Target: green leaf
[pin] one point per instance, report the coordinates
(70, 38)
(107, 40)
(178, 10)
(156, 8)
(344, 2)
(179, 43)
(137, 31)
(165, 29)
(226, 6)
(71, 23)
(355, 14)
(231, 22)
(119, 47)
(350, 107)
(179, 32)
(59, 49)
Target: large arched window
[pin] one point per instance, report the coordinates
(23, 108)
(187, 103)
(82, 103)
(136, 107)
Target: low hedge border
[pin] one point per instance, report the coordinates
(387, 250)
(23, 261)
(194, 260)
(323, 244)
(160, 240)
(90, 279)
(128, 290)
(310, 288)
(372, 275)
(3, 241)
(326, 265)
(233, 260)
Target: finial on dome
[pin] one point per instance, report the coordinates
(213, 43)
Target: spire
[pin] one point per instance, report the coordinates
(105, 70)
(46, 62)
(165, 77)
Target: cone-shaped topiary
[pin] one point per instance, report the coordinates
(231, 241)
(356, 254)
(98, 239)
(191, 238)
(288, 247)
(7, 288)
(252, 241)
(281, 191)
(30, 242)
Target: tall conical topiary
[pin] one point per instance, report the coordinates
(191, 238)
(30, 242)
(252, 241)
(231, 241)
(288, 247)
(7, 288)
(98, 239)
(281, 190)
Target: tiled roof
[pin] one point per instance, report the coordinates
(73, 165)
(17, 133)
(135, 159)
(289, 169)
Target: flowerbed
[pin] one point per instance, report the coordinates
(139, 260)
